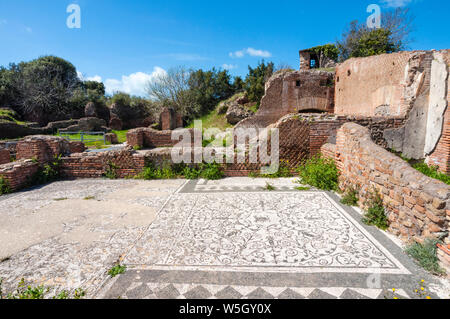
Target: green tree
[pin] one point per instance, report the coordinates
(393, 36)
(238, 84)
(324, 52)
(256, 80)
(41, 90)
(376, 42)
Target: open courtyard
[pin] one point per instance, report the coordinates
(201, 239)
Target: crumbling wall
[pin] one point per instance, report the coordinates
(124, 163)
(18, 173)
(151, 138)
(417, 206)
(293, 92)
(170, 120)
(42, 148)
(382, 85)
(5, 156)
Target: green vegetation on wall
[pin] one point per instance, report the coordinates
(319, 172)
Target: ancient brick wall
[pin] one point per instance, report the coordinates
(18, 173)
(293, 92)
(382, 85)
(170, 120)
(5, 156)
(76, 147)
(125, 163)
(418, 207)
(323, 128)
(42, 148)
(150, 138)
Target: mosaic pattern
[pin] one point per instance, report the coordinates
(143, 290)
(270, 231)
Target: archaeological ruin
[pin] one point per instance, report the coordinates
(357, 115)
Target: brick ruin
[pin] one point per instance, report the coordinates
(294, 92)
(417, 205)
(169, 119)
(368, 105)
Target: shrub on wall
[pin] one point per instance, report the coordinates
(376, 215)
(4, 186)
(48, 173)
(426, 255)
(351, 197)
(319, 172)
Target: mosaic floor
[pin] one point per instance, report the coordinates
(232, 240)
(199, 239)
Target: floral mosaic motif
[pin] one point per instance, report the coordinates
(256, 229)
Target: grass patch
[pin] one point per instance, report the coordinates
(303, 188)
(24, 291)
(432, 171)
(209, 171)
(121, 135)
(48, 173)
(111, 171)
(426, 255)
(4, 186)
(351, 197)
(213, 120)
(269, 187)
(150, 172)
(7, 115)
(421, 166)
(376, 215)
(117, 270)
(319, 172)
(89, 198)
(60, 199)
(283, 172)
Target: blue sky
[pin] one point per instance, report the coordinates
(126, 43)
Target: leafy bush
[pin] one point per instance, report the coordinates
(351, 197)
(24, 291)
(376, 215)
(48, 173)
(191, 173)
(283, 171)
(432, 171)
(111, 171)
(319, 172)
(211, 171)
(151, 173)
(117, 270)
(425, 254)
(4, 186)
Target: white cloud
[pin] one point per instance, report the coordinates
(96, 78)
(133, 84)
(395, 3)
(251, 52)
(229, 66)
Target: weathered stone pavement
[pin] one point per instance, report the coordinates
(232, 239)
(200, 239)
